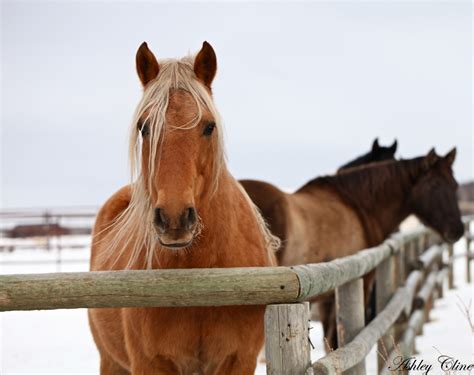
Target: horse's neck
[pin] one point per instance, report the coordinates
(363, 159)
(382, 220)
(379, 198)
(386, 207)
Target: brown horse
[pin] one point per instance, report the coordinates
(183, 210)
(335, 216)
(376, 153)
(272, 201)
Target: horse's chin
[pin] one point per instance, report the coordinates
(450, 239)
(454, 234)
(175, 245)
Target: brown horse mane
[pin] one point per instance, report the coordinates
(367, 188)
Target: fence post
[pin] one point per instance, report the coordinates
(440, 266)
(450, 267)
(400, 264)
(427, 241)
(350, 317)
(468, 251)
(286, 339)
(419, 245)
(401, 275)
(410, 256)
(47, 223)
(384, 287)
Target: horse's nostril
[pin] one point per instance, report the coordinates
(166, 223)
(191, 216)
(160, 218)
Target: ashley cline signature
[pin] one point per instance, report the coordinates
(446, 363)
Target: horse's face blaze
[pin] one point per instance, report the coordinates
(184, 162)
(434, 198)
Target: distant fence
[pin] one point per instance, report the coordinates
(44, 229)
(410, 272)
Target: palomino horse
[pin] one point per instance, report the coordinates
(376, 153)
(183, 210)
(336, 216)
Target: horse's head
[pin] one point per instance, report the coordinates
(434, 196)
(377, 153)
(178, 140)
(381, 153)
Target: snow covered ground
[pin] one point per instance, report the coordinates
(59, 342)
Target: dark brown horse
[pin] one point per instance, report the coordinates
(336, 216)
(271, 201)
(376, 153)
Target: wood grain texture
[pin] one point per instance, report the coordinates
(287, 347)
(412, 284)
(384, 288)
(450, 267)
(440, 281)
(190, 287)
(427, 259)
(316, 279)
(351, 354)
(406, 345)
(426, 291)
(350, 318)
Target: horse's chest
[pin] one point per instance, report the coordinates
(192, 337)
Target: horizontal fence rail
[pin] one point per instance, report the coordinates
(188, 287)
(153, 288)
(351, 354)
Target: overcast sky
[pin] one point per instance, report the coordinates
(302, 88)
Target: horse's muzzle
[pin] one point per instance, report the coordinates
(175, 232)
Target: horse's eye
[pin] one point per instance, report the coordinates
(144, 128)
(209, 129)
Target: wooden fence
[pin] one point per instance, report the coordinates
(410, 272)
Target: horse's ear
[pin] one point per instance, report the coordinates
(451, 156)
(430, 159)
(147, 65)
(375, 145)
(393, 147)
(205, 64)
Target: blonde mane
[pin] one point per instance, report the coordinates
(134, 226)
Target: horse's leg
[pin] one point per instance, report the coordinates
(109, 367)
(315, 307)
(158, 366)
(369, 297)
(238, 365)
(102, 320)
(327, 315)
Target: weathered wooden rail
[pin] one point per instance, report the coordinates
(410, 272)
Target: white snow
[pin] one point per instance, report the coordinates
(449, 331)
(59, 341)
